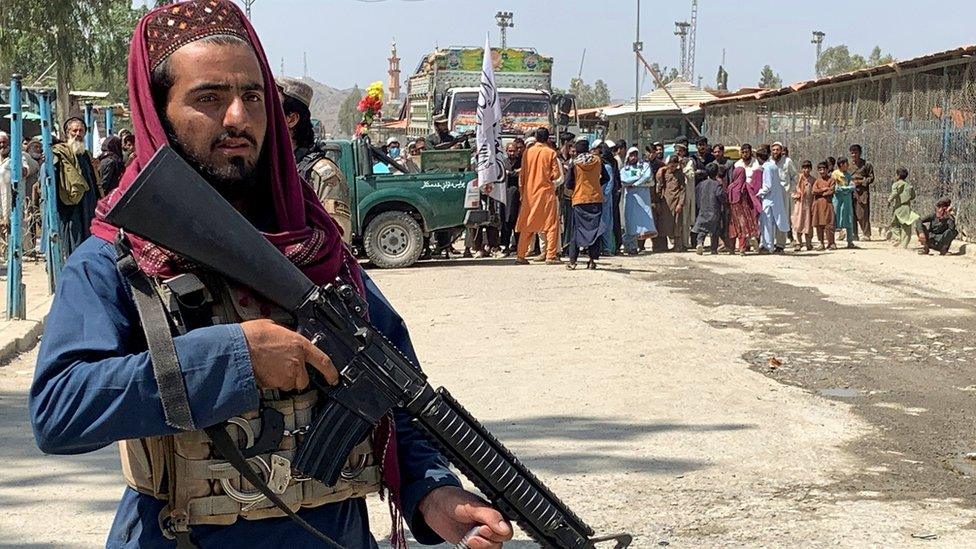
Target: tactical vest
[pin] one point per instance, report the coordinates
(182, 469)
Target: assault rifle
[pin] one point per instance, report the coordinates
(457, 140)
(375, 377)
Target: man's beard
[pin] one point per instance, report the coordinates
(234, 182)
(77, 146)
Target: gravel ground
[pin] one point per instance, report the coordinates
(645, 396)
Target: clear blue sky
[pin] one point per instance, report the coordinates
(348, 40)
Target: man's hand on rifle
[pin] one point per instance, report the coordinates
(279, 356)
(452, 513)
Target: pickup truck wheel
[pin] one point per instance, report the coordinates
(393, 240)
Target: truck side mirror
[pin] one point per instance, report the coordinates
(566, 105)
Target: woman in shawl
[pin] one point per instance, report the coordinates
(636, 177)
(608, 239)
(744, 208)
(110, 163)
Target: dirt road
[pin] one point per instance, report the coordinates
(643, 394)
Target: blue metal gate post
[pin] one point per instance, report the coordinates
(109, 121)
(15, 286)
(89, 123)
(49, 197)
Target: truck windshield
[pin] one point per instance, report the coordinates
(521, 112)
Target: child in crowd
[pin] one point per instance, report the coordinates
(843, 201)
(903, 218)
(822, 210)
(801, 217)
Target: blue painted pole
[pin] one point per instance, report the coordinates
(109, 121)
(89, 123)
(49, 197)
(15, 286)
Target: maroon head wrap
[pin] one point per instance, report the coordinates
(307, 235)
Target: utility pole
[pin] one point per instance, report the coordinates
(638, 47)
(681, 31)
(504, 21)
(247, 7)
(305, 65)
(818, 38)
(282, 73)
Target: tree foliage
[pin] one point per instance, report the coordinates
(348, 114)
(84, 43)
(838, 60)
(769, 79)
(589, 96)
(667, 74)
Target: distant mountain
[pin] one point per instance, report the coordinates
(325, 104)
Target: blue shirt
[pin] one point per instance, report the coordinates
(94, 385)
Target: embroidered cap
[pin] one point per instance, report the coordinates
(180, 24)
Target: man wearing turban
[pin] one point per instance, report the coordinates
(199, 81)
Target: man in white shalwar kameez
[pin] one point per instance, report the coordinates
(774, 215)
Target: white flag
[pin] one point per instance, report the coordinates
(491, 156)
(96, 139)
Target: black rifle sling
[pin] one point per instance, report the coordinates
(232, 453)
(172, 392)
(159, 339)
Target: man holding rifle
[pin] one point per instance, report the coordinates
(199, 82)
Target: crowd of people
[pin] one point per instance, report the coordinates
(81, 178)
(649, 201)
(609, 198)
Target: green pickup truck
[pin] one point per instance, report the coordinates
(394, 216)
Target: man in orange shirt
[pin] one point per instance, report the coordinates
(539, 211)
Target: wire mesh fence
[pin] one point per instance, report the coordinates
(921, 120)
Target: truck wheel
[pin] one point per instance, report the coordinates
(393, 240)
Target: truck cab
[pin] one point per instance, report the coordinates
(523, 110)
(395, 214)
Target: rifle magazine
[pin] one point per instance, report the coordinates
(334, 434)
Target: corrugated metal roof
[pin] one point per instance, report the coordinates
(870, 72)
(658, 101)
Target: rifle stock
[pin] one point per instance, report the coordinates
(199, 224)
(375, 377)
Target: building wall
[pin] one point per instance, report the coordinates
(922, 120)
(652, 127)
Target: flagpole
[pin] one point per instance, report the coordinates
(490, 155)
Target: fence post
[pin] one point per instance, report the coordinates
(49, 197)
(89, 124)
(15, 286)
(109, 121)
(945, 125)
